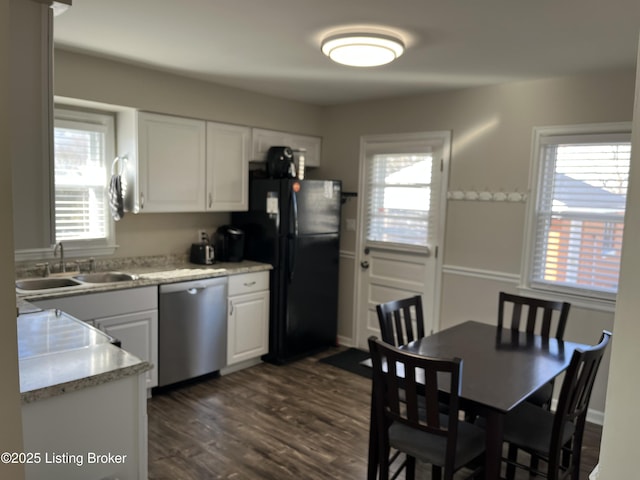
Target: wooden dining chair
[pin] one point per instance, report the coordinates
(397, 319)
(556, 437)
(536, 316)
(406, 409)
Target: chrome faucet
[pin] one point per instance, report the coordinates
(55, 254)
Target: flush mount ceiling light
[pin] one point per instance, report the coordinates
(362, 49)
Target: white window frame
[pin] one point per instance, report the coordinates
(435, 144)
(106, 122)
(591, 299)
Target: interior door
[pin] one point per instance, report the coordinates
(403, 181)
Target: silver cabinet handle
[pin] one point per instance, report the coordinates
(249, 284)
(141, 200)
(210, 200)
(230, 307)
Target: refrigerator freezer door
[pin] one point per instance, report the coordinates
(318, 205)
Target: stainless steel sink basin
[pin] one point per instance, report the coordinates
(46, 283)
(105, 277)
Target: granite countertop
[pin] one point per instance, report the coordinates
(58, 354)
(149, 274)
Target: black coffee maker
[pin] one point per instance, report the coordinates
(229, 244)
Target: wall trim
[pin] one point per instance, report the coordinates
(481, 273)
(588, 303)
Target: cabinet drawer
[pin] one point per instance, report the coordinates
(248, 282)
(105, 304)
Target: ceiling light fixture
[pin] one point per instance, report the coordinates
(362, 49)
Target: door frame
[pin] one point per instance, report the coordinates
(437, 250)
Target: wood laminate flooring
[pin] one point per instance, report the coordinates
(304, 421)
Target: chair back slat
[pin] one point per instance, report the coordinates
(540, 315)
(573, 402)
(397, 319)
(418, 377)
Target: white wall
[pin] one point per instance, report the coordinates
(100, 80)
(10, 417)
(491, 130)
(619, 448)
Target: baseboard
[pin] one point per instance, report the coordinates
(240, 366)
(345, 341)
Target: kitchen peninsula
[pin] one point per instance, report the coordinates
(83, 400)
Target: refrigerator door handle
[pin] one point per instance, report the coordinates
(293, 238)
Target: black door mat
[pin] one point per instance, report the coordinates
(352, 360)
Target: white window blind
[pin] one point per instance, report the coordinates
(400, 197)
(83, 149)
(579, 216)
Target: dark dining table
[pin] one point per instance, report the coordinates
(501, 368)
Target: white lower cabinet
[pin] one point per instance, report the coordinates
(129, 315)
(138, 334)
(248, 321)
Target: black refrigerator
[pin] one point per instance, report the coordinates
(295, 226)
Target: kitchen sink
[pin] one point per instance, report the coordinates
(105, 277)
(46, 283)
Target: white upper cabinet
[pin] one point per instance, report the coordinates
(171, 163)
(228, 149)
(264, 139)
(188, 165)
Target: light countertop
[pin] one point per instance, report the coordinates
(151, 275)
(58, 354)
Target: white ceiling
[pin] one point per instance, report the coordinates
(273, 46)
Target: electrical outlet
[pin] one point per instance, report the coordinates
(203, 237)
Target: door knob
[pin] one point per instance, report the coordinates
(364, 264)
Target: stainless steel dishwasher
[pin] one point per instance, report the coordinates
(192, 329)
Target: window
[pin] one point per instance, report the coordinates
(402, 178)
(576, 217)
(84, 145)
(399, 198)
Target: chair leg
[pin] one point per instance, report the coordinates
(436, 472)
(533, 465)
(384, 464)
(410, 468)
(512, 455)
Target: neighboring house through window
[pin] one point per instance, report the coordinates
(576, 215)
(84, 146)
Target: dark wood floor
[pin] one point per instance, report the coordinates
(303, 421)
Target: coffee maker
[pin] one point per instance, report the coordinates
(229, 244)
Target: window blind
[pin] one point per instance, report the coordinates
(401, 193)
(81, 209)
(579, 218)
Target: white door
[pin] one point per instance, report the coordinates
(403, 181)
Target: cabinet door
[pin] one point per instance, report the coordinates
(248, 327)
(262, 140)
(171, 163)
(312, 145)
(138, 333)
(227, 167)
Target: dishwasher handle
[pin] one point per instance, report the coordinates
(193, 287)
